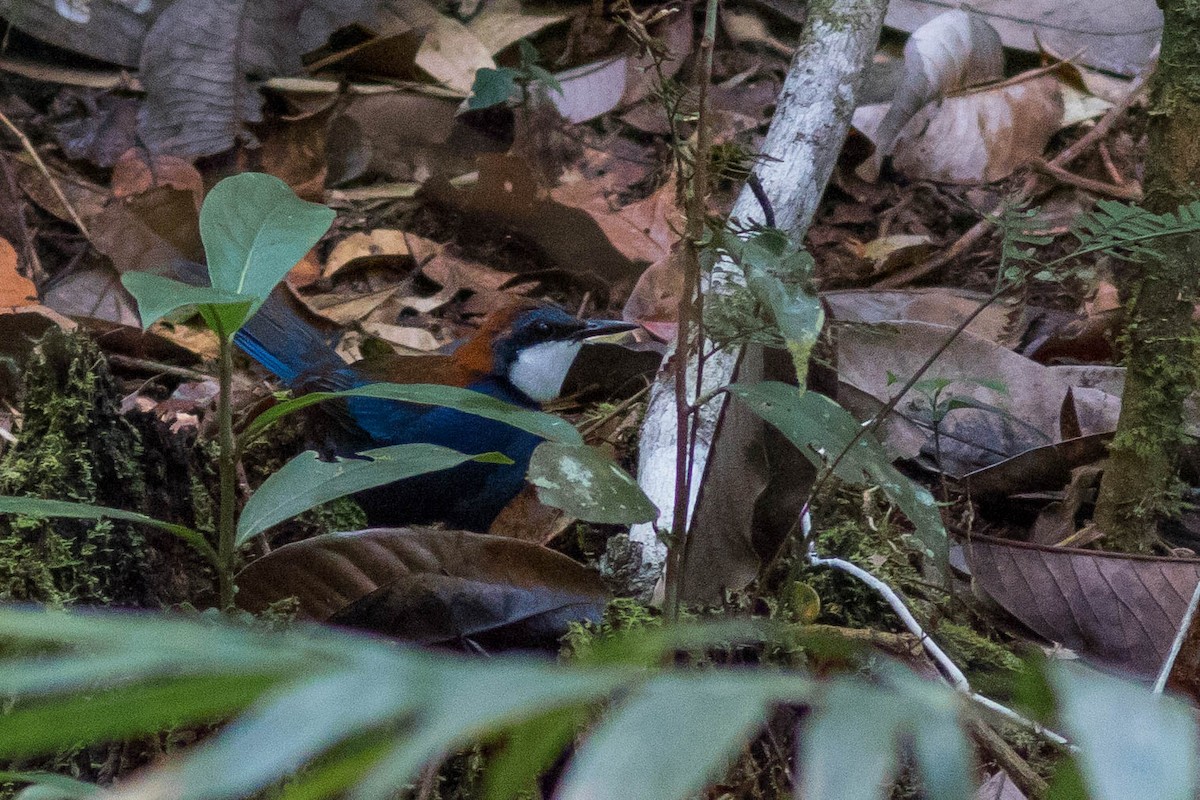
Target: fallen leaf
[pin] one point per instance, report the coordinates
(450, 52)
(999, 787)
(1000, 426)
(1116, 610)
(979, 136)
(137, 172)
(890, 253)
(407, 338)
(15, 289)
(998, 322)
(94, 126)
(92, 292)
(952, 51)
(341, 308)
(570, 237)
(371, 247)
(87, 198)
(591, 90)
(109, 32)
(1116, 37)
(503, 22)
(427, 585)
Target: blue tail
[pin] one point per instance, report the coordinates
(276, 336)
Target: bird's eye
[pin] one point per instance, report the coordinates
(542, 327)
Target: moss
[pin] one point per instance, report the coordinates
(621, 615)
(74, 445)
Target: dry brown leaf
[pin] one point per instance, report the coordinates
(329, 573)
(449, 51)
(643, 231)
(571, 238)
(384, 244)
(940, 306)
(341, 308)
(86, 197)
(407, 338)
(503, 22)
(93, 292)
(1027, 415)
(590, 90)
(976, 137)
(952, 51)
(137, 172)
(15, 289)
(1117, 610)
(890, 253)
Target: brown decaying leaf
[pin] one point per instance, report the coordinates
(449, 51)
(197, 58)
(107, 31)
(93, 125)
(971, 438)
(1115, 36)
(137, 172)
(382, 243)
(1119, 611)
(952, 51)
(15, 289)
(572, 238)
(940, 306)
(474, 582)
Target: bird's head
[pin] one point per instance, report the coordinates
(532, 346)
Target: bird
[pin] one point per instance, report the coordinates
(520, 354)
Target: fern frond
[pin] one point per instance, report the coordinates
(1129, 232)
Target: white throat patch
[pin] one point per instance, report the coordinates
(539, 371)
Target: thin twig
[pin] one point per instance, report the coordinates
(1019, 772)
(1163, 674)
(1127, 192)
(42, 168)
(156, 367)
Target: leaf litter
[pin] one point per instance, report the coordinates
(443, 214)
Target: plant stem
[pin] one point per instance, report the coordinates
(227, 524)
(696, 209)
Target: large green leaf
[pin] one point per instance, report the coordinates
(48, 786)
(822, 430)
(848, 748)
(47, 509)
(547, 426)
(675, 734)
(157, 296)
(255, 230)
(125, 712)
(472, 703)
(1132, 742)
(306, 481)
(587, 485)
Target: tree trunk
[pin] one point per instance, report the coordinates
(1140, 486)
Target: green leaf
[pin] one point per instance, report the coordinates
(673, 736)
(297, 723)
(156, 296)
(492, 87)
(821, 430)
(48, 786)
(471, 703)
(306, 481)
(125, 712)
(797, 314)
(49, 509)
(255, 230)
(529, 749)
(587, 485)
(1132, 742)
(547, 426)
(848, 746)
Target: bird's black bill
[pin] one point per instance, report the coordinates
(605, 327)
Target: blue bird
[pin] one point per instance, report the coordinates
(521, 354)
